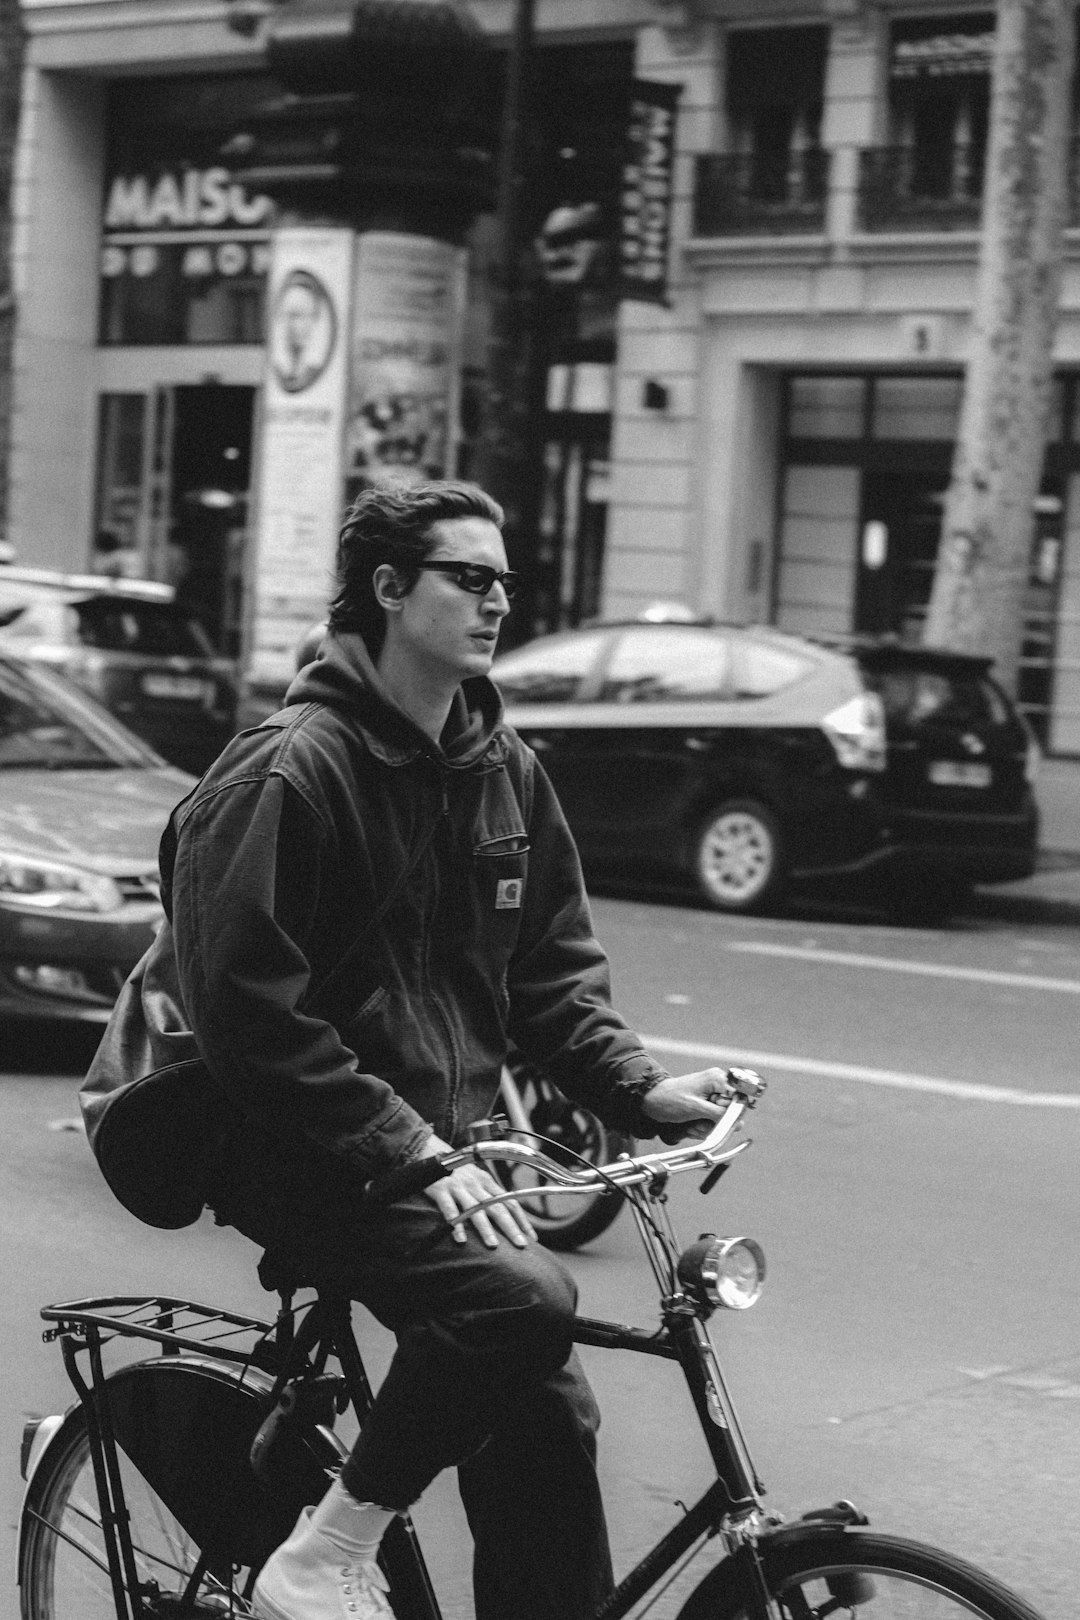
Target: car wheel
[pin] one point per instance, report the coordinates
(738, 856)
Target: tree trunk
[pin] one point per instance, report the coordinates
(11, 60)
(976, 604)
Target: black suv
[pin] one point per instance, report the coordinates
(743, 757)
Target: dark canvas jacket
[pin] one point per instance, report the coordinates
(281, 859)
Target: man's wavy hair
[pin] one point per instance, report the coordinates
(391, 523)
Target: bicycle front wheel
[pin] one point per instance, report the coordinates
(63, 1571)
(855, 1573)
(573, 1136)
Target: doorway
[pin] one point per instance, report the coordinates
(208, 503)
(174, 470)
(901, 522)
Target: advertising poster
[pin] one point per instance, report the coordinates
(299, 489)
(408, 311)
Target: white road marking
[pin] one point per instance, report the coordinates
(967, 1090)
(933, 970)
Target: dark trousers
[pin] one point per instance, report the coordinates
(484, 1379)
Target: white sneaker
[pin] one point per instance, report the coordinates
(308, 1578)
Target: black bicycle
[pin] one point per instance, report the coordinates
(162, 1490)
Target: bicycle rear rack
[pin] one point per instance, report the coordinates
(176, 1324)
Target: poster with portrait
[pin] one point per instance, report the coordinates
(300, 479)
(408, 313)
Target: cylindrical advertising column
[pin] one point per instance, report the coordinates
(299, 487)
(408, 315)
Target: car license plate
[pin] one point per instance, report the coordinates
(186, 688)
(959, 773)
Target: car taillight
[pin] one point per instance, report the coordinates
(857, 732)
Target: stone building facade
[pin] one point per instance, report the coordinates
(771, 443)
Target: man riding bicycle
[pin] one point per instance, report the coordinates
(369, 895)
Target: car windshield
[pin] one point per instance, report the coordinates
(43, 727)
(945, 698)
(154, 629)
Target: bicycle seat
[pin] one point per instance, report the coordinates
(280, 1275)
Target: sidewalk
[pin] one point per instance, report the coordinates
(1052, 895)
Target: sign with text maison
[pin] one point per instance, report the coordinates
(646, 191)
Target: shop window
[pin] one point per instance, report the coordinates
(826, 407)
(177, 293)
(917, 407)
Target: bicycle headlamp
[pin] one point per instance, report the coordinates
(723, 1271)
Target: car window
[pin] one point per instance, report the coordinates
(39, 729)
(548, 671)
(154, 629)
(916, 696)
(665, 665)
(761, 669)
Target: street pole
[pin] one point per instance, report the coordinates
(502, 440)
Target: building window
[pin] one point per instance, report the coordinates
(775, 96)
(774, 175)
(826, 407)
(930, 175)
(917, 407)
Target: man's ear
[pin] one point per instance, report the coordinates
(389, 587)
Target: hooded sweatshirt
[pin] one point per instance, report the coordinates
(359, 919)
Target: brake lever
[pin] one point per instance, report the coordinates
(713, 1177)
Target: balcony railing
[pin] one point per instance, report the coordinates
(900, 189)
(760, 194)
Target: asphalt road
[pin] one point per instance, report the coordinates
(913, 1180)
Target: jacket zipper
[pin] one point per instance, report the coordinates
(454, 1077)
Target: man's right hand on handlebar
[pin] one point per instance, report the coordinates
(693, 1101)
(465, 1187)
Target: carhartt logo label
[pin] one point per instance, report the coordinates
(508, 894)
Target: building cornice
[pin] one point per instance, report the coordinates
(715, 252)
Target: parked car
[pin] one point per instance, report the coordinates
(83, 804)
(132, 646)
(742, 757)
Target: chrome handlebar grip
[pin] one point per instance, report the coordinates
(744, 1089)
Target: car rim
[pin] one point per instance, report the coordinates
(736, 856)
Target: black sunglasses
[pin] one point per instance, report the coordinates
(476, 578)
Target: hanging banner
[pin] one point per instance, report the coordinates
(646, 192)
(408, 315)
(299, 487)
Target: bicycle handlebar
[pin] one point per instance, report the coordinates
(744, 1087)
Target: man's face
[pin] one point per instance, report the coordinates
(446, 629)
(299, 312)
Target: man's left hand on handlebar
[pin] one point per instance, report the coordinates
(468, 1185)
(695, 1101)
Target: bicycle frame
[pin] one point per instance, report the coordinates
(283, 1358)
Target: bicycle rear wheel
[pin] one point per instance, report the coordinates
(63, 1571)
(851, 1572)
